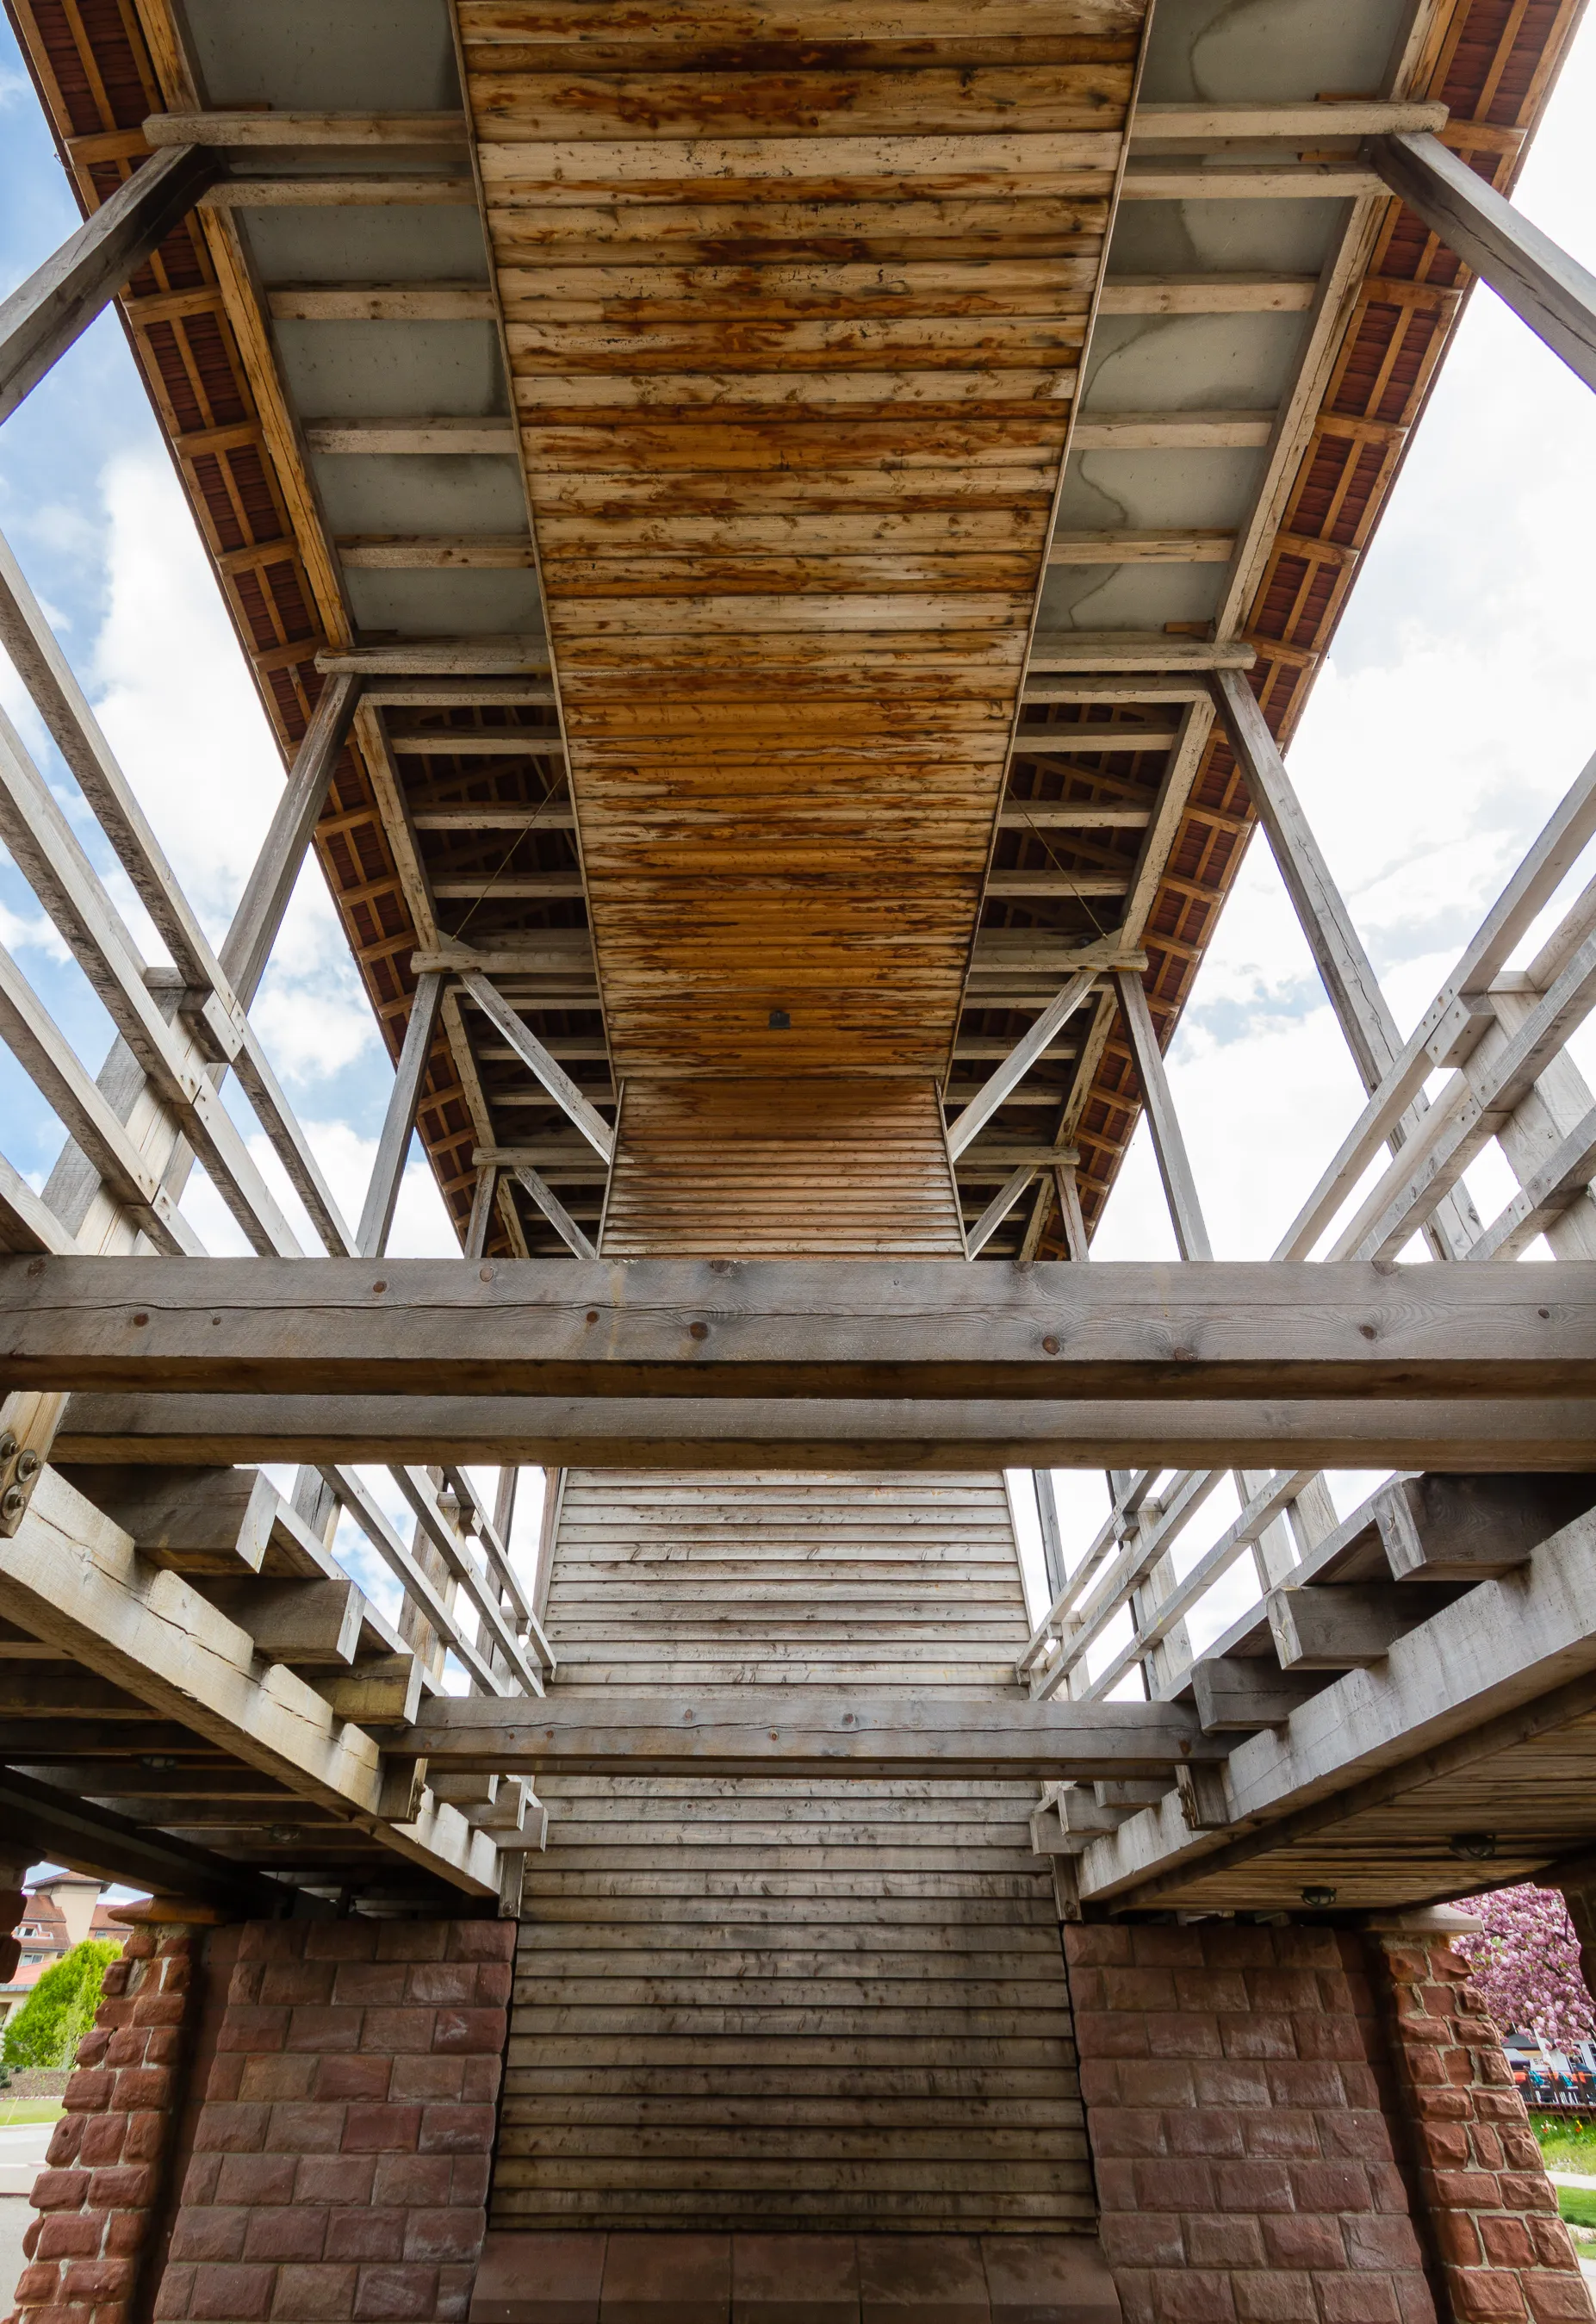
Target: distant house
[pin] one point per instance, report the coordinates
(61, 1912)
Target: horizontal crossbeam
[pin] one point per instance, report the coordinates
(805, 1730)
(778, 1329)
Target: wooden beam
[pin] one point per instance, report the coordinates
(1544, 286)
(565, 1226)
(997, 1210)
(424, 437)
(1514, 1434)
(1307, 122)
(796, 1328)
(1504, 1646)
(435, 552)
(1173, 546)
(1208, 294)
(227, 132)
(561, 1088)
(46, 314)
(1349, 1627)
(808, 1730)
(247, 945)
(1144, 652)
(1175, 1169)
(1016, 1066)
(381, 302)
(1173, 432)
(322, 189)
(382, 1193)
(1233, 1695)
(505, 657)
(1217, 178)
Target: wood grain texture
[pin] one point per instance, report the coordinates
(759, 266)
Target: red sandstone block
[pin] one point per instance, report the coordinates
(1116, 2185)
(371, 2129)
(1386, 2189)
(323, 2027)
(91, 2049)
(209, 2232)
(495, 1982)
(30, 2235)
(308, 2295)
(357, 2233)
(1215, 2240)
(70, 2234)
(303, 2127)
(263, 1941)
(144, 2138)
(1162, 1945)
(172, 2298)
(160, 2009)
(1330, 2186)
(294, 2232)
(243, 1987)
(392, 2031)
(1355, 2135)
(1175, 2186)
(468, 2178)
(1138, 1988)
(1483, 2295)
(1457, 2238)
(1519, 2150)
(1525, 2190)
(412, 2181)
(60, 2191)
(341, 1940)
(1180, 2034)
(1254, 2033)
(66, 2140)
(1084, 1947)
(1471, 2028)
(226, 2079)
(1291, 2241)
(1278, 2297)
(94, 2280)
(37, 2284)
(1442, 2106)
(1142, 2239)
(1204, 2130)
(1553, 2248)
(369, 1984)
(127, 2232)
(1300, 2082)
(444, 1984)
(456, 2129)
(1355, 2300)
(272, 2079)
(1491, 2065)
(1319, 2035)
(413, 1940)
(453, 2299)
(89, 2091)
(1557, 2299)
(115, 1981)
(250, 2025)
(1357, 2084)
(1487, 2146)
(1127, 2130)
(1193, 2296)
(255, 2179)
(1282, 1989)
(140, 1946)
(485, 1940)
(1258, 2187)
(293, 1983)
(1462, 2191)
(102, 2138)
(335, 2178)
(1211, 1989)
(365, 2080)
(467, 2030)
(1385, 2244)
(124, 2187)
(440, 2237)
(129, 2047)
(1445, 2145)
(237, 2293)
(199, 2179)
(1286, 2131)
(1099, 2033)
(394, 2295)
(1507, 2241)
(479, 2079)
(438, 2078)
(138, 2088)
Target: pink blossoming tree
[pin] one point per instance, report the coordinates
(1525, 1963)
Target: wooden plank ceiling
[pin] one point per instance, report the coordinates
(716, 397)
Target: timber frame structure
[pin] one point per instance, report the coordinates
(783, 545)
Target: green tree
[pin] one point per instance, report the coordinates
(59, 2011)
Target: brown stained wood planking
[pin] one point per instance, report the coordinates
(769, 2002)
(730, 257)
(831, 1169)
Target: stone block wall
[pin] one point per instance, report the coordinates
(1503, 2253)
(340, 2160)
(100, 2192)
(1245, 2170)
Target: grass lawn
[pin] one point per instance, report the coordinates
(28, 2110)
(1565, 2145)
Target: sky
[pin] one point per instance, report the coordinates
(1456, 706)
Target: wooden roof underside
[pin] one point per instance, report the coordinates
(1320, 322)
